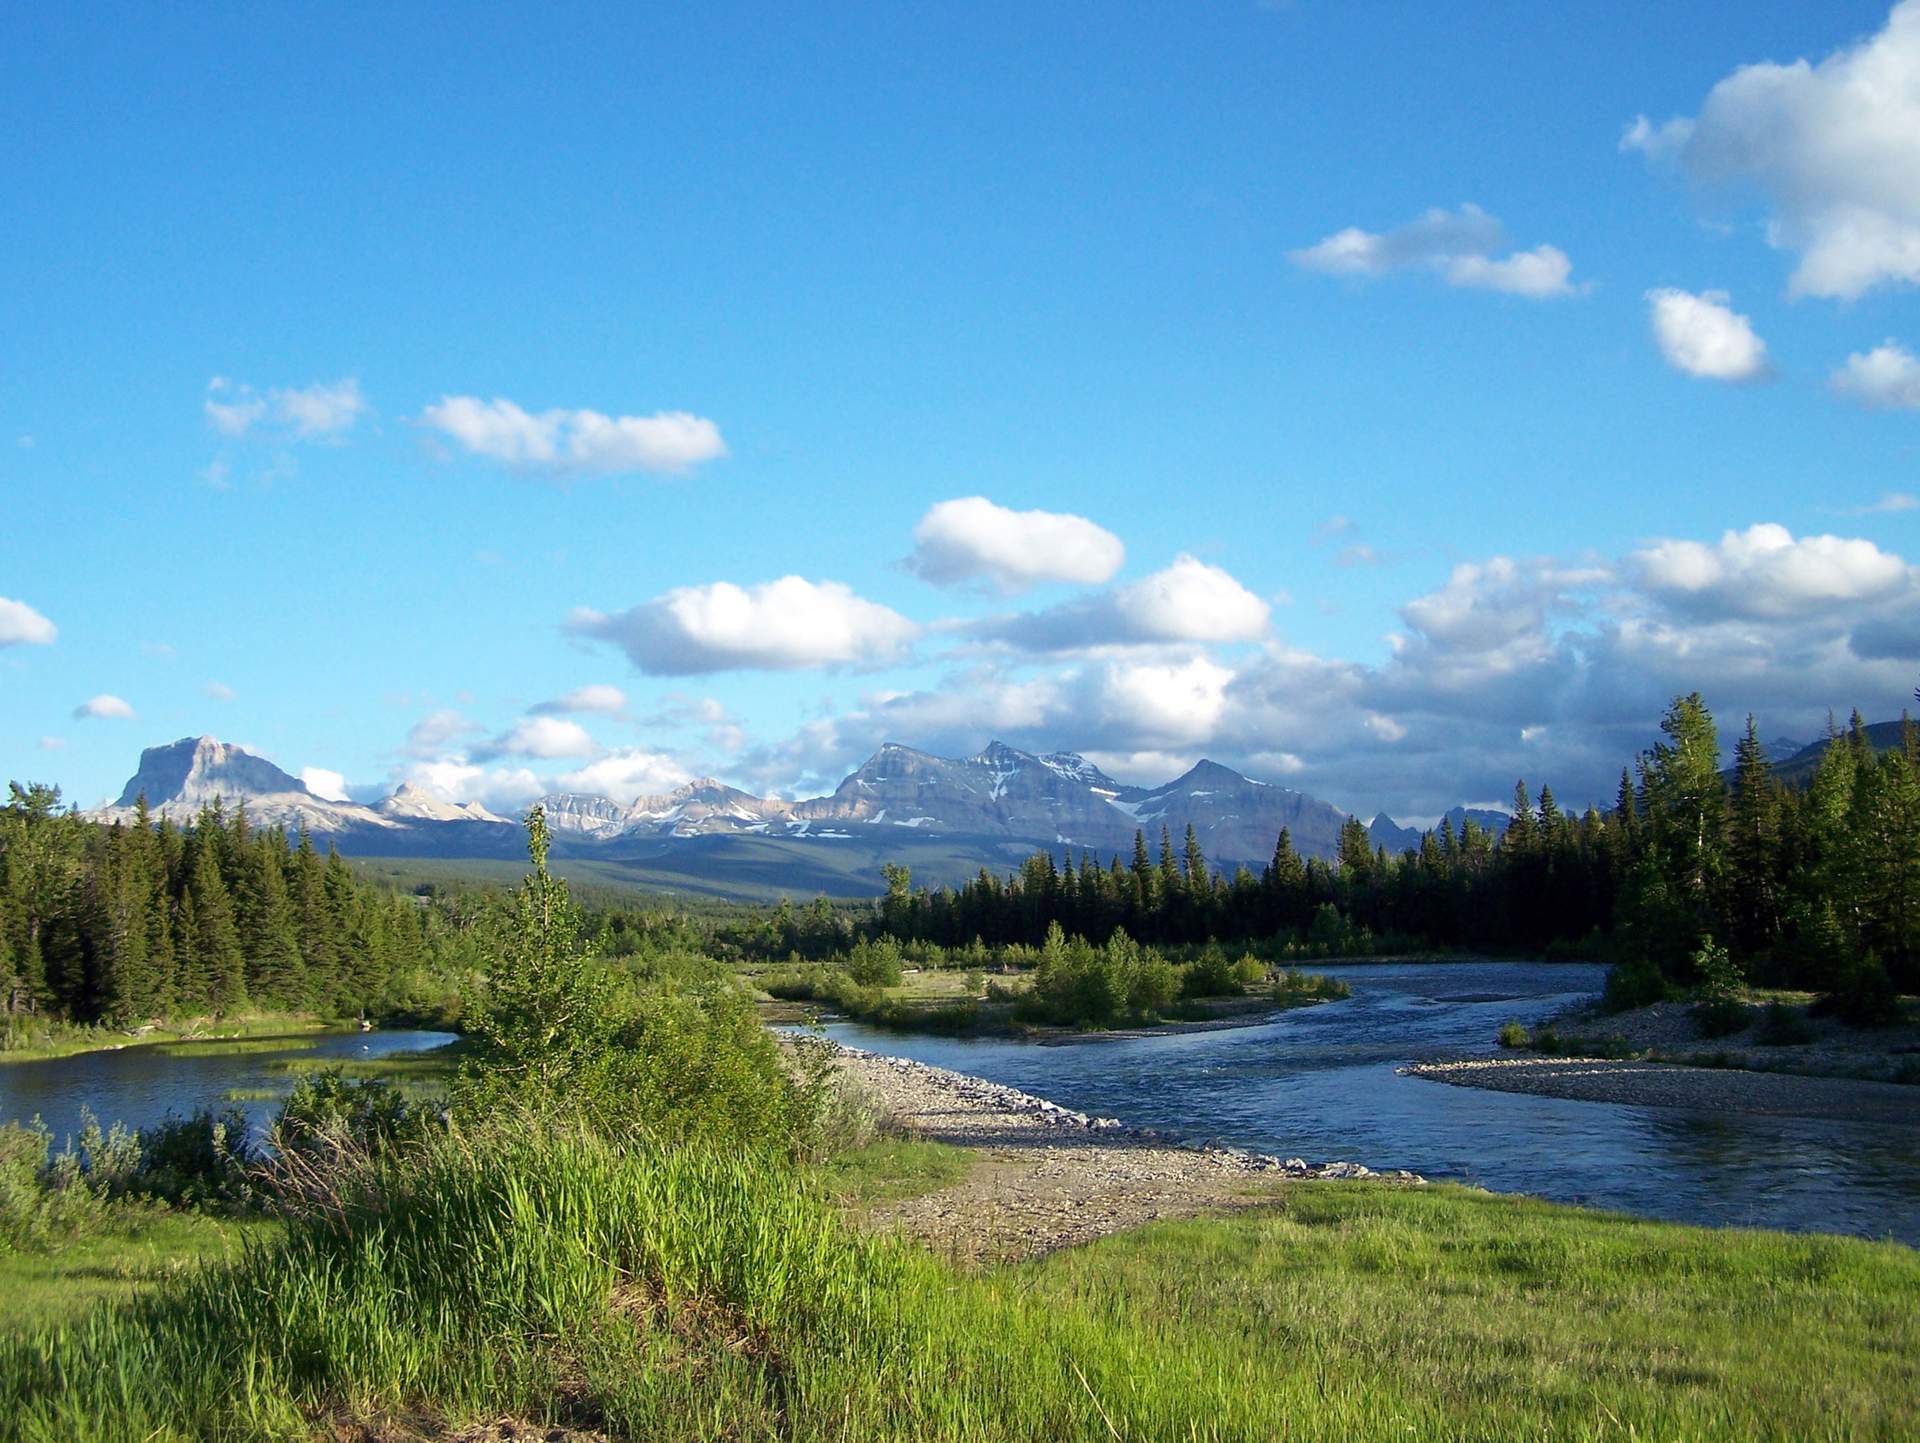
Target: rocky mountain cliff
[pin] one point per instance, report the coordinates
(182, 777)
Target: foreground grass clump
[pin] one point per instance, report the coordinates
(548, 1274)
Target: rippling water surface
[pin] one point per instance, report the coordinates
(141, 1085)
(1319, 1083)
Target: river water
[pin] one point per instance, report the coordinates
(141, 1085)
(1319, 1083)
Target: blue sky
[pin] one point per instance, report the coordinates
(374, 380)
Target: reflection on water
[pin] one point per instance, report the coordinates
(1320, 1083)
(141, 1085)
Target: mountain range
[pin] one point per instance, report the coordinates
(946, 816)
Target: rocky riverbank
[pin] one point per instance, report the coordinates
(1048, 1177)
(1640, 1083)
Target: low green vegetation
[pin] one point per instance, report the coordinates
(31, 1037)
(1067, 982)
(43, 1288)
(890, 1168)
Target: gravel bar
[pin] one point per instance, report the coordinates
(1661, 1084)
(1049, 1177)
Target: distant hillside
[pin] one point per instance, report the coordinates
(1798, 769)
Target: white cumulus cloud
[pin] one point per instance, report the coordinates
(581, 442)
(625, 774)
(322, 782)
(1704, 336)
(776, 625)
(1764, 572)
(970, 538)
(1459, 246)
(1887, 378)
(1189, 601)
(103, 706)
(20, 625)
(453, 778)
(1834, 145)
(546, 737)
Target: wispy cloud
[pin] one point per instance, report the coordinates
(578, 442)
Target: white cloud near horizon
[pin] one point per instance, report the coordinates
(21, 625)
(453, 778)
(574, 442)
(784, 625)
(1833, 145)
(547, 738)
(325, 783)
(1553, 669)
(625, 774)
(1764, 572)
(105, 706)
(1189, 601)
(1458, 246)
(1703, 336)
(972, 539)
(1887, 378)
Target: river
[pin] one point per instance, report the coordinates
(141, 1085)
(1320, 1083)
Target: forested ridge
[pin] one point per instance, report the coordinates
(1816, 887)
(121, 923)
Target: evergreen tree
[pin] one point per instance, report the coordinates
(220, 972)
(1753, 848)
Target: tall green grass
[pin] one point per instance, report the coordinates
(552, 1275)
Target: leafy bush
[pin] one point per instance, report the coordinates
(329, 1112)
(1783, 1026)
(202, 1160)
(1863, 994)
(876, 964)
(1209, 975)
(1639, 983)
(1512, 1034)
(1719, 994)
(1079, 985)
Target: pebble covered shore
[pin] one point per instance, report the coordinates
(1661, 1084)
(1049, 1177)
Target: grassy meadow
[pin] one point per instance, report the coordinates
(555, 1276)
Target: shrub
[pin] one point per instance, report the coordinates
(1863, 994)
(1783, 1026)
(1512, 1034)
(329, 1112)
(1209, 975)
(1639, 983)
(876, 964)
(202, 1160)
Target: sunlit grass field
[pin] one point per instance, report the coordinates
(552, 1276)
